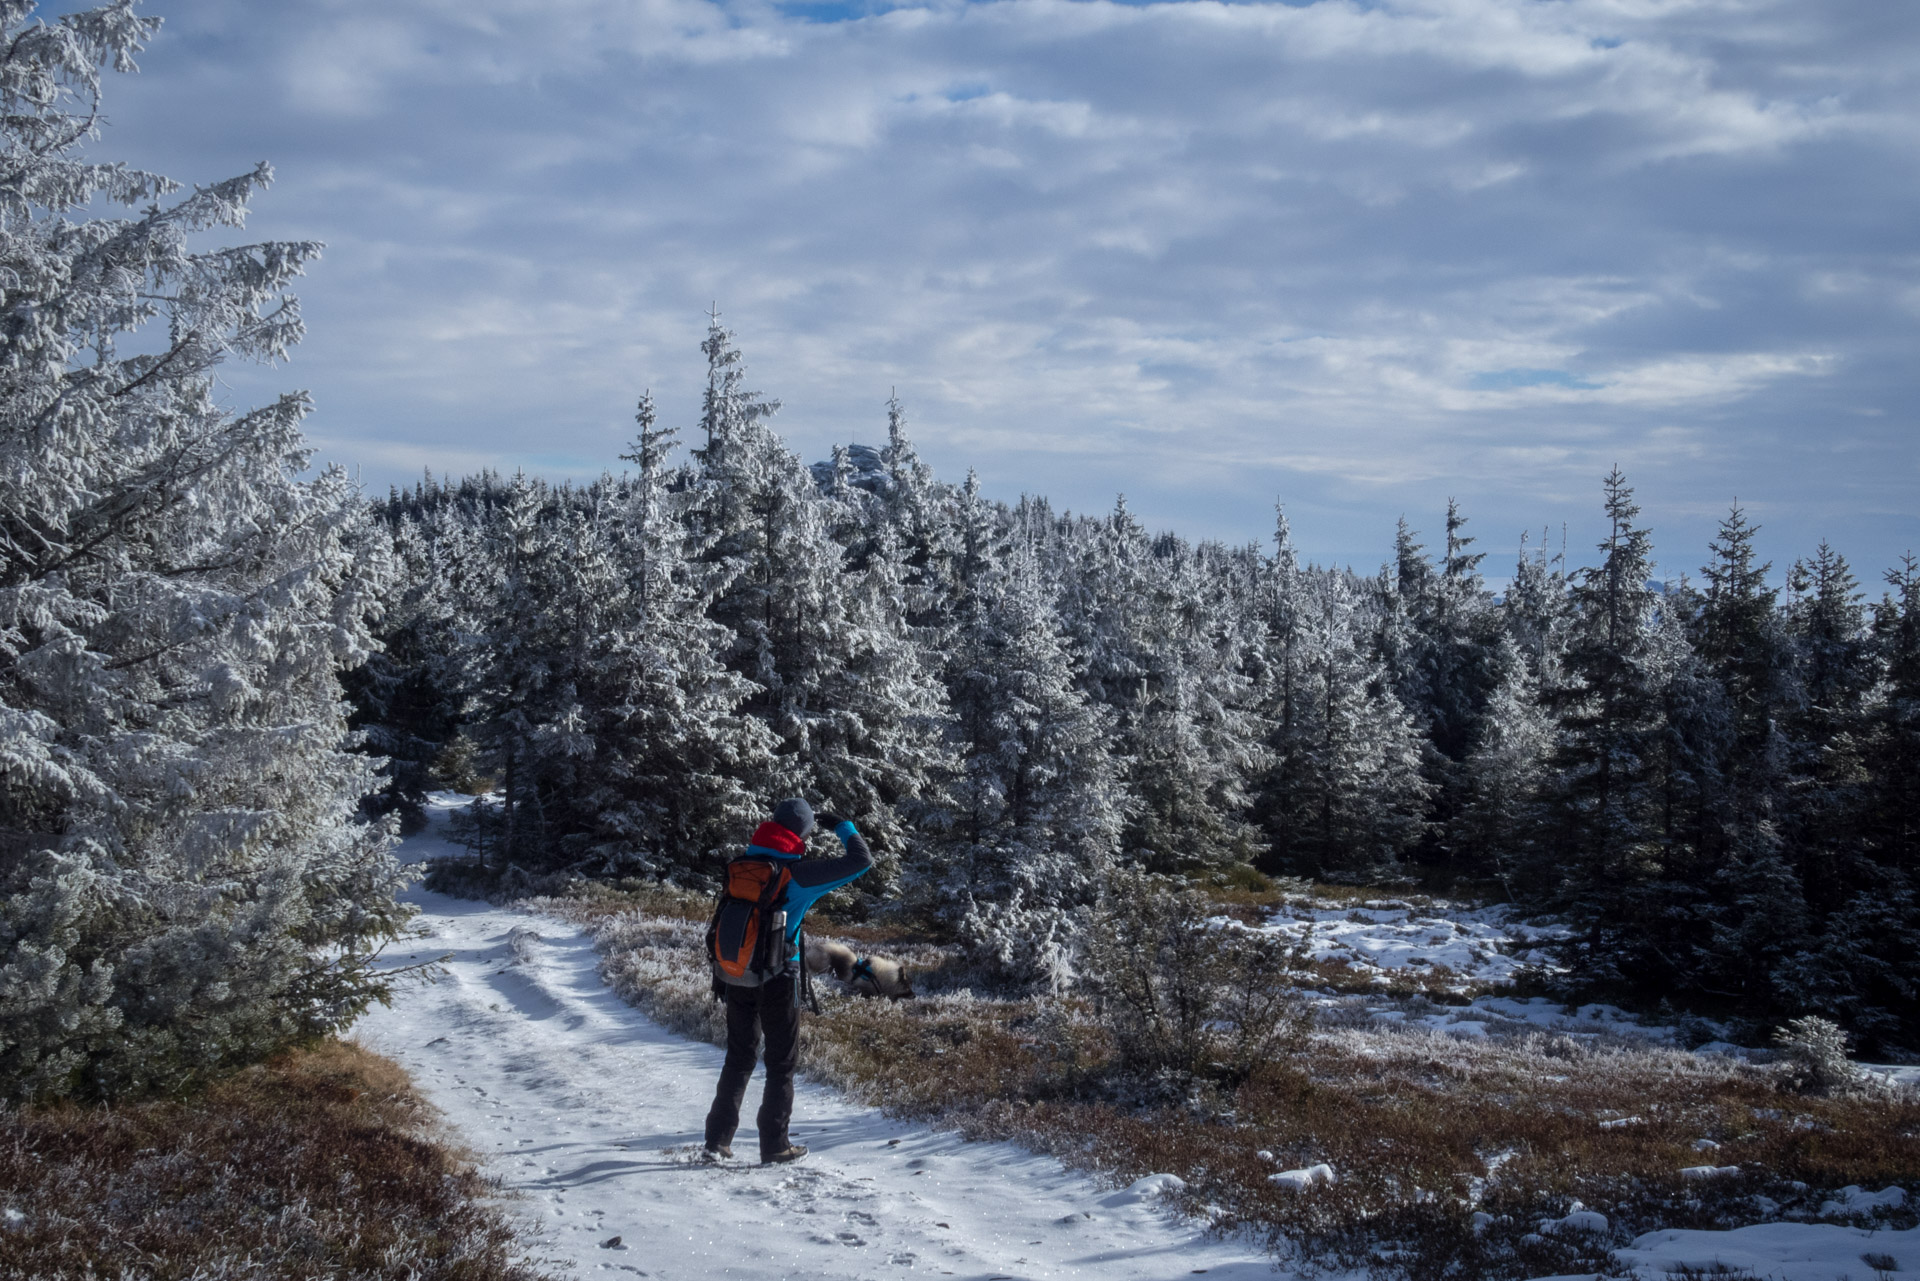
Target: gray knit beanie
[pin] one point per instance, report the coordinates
(795, 815)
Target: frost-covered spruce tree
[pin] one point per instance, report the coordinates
(1201, 741)
(416, 699)
(1867, 962)
(1436, 636)
(672, 749)
(399, 709)
(1758, 918)
(1535, 611)
(1343, 796)
(855, 708)
(1861, 966)
(1286, 703)
(514, 642)
(1599, 854)
(1038, 807)
(1827, 729)
(1165, 648)
(1496, 819)
(186, 886)
(925, 528)
(1403, 598)
(1358, 802)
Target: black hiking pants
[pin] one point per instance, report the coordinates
(769, 1008)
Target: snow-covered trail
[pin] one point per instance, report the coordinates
(591, 1115)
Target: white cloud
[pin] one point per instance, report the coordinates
(1364, 254)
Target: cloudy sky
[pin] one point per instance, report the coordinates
(1355, 256)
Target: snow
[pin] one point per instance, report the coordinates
(1854, 1199)
(590, 1115)
(1481, 945)
(1577, 1221)
(1301, 1180)
(1903, 1075)
(1708, 1171)
(1776, 1251)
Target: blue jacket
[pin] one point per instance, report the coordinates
(814, 879)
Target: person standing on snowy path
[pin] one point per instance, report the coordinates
(761, 984)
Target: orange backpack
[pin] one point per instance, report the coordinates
(744, 937)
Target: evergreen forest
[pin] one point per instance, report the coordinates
(1712, 779)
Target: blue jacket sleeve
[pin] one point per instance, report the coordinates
(813, 879)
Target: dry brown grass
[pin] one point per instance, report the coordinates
(1437, 983)
(319, 1163)
(1424, 1129)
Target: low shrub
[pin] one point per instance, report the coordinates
(321, 1163)
(1814, 1057)
(1188, 997)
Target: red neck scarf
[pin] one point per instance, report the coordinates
(772, 836)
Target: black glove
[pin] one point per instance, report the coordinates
(827, 822)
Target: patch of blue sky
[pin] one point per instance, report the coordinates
(1510, 379)
(829, 11)
(1284, 4)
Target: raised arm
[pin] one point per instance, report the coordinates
(815, 877)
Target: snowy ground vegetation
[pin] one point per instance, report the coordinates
(323, 1162)
(1389, 1132)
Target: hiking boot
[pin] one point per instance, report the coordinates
(793, 1152)
(717, 1152)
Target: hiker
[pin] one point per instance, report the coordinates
(754, 943)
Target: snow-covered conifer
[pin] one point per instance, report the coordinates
(925, 528)
(674, 756)
(1493, 828)
(854, 706)
(1164, 648)
(186, 883)
(1827, 728)
(1349, 798)
(1038, 808)
(1758, 918)
(1597, 855)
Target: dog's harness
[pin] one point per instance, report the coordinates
(804, 991)
(863, 968)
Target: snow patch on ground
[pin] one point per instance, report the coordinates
(1301, 1180)
(1776, 1251)
(1854, 1199)
(1481, 945)
(1576, 1221)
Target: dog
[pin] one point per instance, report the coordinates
(867, 975)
